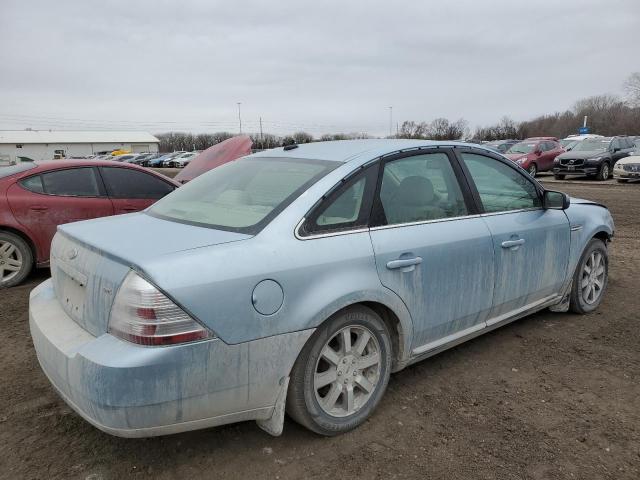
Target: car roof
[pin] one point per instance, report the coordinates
(346, 150)
(47, 165)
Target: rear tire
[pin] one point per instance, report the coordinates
(604, 171)
(558, 176)
(590, 279)
(16, 259)
(341, 373)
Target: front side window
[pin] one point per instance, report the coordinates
(73, 182)
(501, 187)
(244, 195)
(419, 188)
(129, 183)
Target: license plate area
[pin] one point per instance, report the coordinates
(570, 168)
(72, 290)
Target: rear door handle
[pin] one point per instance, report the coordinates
(404, 263)
(513, 243)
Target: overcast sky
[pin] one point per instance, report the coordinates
(321, 66)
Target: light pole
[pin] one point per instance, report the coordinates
(239, 117)
(390, 121)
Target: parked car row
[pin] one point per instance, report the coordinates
(589, 154)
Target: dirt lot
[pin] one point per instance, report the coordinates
(550, 396)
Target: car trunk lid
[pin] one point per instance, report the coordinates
(89, 260)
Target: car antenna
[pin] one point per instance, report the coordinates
(290, 147)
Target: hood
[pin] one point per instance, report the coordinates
(134, 238)
(572, 154)
(516, 156)
(215, 156)
(628, 160)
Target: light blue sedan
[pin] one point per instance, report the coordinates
(297, 280)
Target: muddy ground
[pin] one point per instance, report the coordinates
(550, 396)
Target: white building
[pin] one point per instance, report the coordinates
(47, 144)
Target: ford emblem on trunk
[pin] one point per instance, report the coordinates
(72, 253)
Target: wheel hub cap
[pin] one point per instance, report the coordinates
(347, 371)
(593, 278)
(10, 261)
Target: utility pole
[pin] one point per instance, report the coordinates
(239, 117)
(261, 137)
(391, 121)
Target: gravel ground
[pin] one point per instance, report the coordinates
(550, 396)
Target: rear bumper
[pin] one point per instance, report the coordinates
(134, 391)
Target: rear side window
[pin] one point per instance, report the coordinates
(73, 182)
(346, 208)
(33, 184)
(129, 183)
(501, 188)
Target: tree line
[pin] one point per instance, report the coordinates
(607, 115)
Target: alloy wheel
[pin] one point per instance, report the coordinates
(593, 278)
(10, 261)
(347, 371)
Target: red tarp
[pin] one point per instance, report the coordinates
(215, 156)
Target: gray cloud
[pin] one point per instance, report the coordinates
(317, 66)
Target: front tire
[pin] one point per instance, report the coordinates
(590, 279)
(341, 373)
(533, 169)
(16, 259)
(603, 173)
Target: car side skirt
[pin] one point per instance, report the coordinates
(433, 348)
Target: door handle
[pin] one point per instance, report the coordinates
(404, 263)
(514, 244)
(39, 208)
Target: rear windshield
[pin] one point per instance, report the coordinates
(242, 196)
(18, 168)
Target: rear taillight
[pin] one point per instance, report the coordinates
(142, 314)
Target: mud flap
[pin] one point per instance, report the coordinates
(563, 306)
(275, 423)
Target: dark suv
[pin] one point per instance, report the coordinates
(593, 156)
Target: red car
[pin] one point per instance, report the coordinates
(535, 154)
(37, 197)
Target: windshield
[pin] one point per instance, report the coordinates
(524, 147)
(13, 169)
(592, 146)
(242, 196)
(567, 141)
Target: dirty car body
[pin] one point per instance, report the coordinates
(250, 277)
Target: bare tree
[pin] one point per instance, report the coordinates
(632, 89)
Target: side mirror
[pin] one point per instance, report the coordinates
(555, 200)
